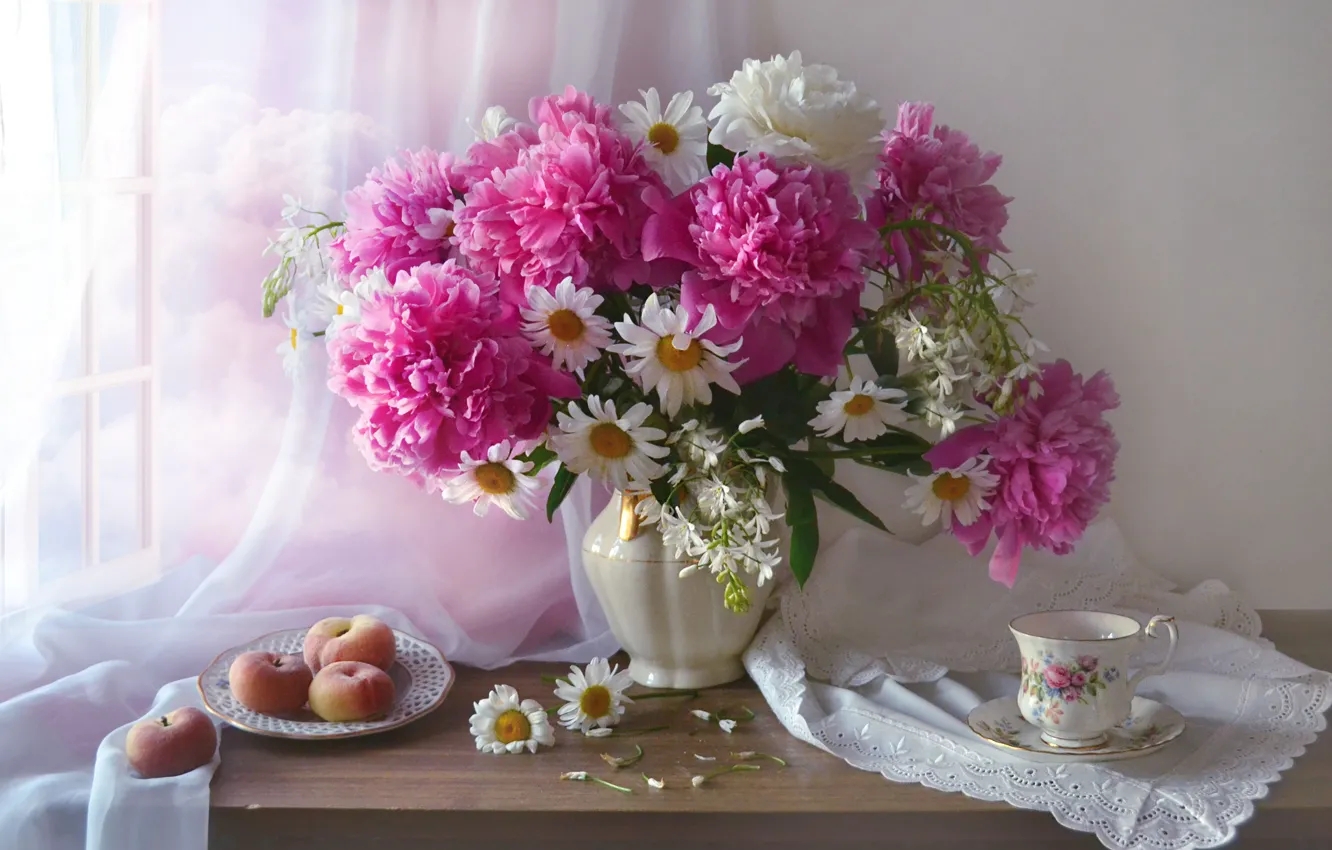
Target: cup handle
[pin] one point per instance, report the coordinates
(1157, 669)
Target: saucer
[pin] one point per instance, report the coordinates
(1151, 725)
(421, 680)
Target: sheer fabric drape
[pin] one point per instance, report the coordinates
(146, 148)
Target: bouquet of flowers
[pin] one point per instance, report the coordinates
(711, 311)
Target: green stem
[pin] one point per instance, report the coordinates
(748, 756)
(618, 763)
(722, 715)
(866, 452)
(610, 785)
(730, 768)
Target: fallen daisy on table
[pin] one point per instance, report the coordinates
(702, 715)
(698, 781)
(705, 758)
(505, 724)
(584, 776)
(617, 762)
(594, 697)
(750, 755)
(727, 726)
(654, 783)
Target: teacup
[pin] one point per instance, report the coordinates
(1075, 681)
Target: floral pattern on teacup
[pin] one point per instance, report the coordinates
(1055, 682)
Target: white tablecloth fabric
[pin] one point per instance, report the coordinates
(891, 645)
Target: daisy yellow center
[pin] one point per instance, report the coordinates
(495, 478)
(512, 726)
(595, 701)
(951, 487)
(565, 325)
(610, 441)
(675, 359)
(293, 339)
(859, 405)
(339, 309)
(663, 137)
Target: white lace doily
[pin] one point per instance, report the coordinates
(881, 657)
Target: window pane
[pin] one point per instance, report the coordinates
(60, 489)
(118, 102)
(119, 462)
(68, 46)
(116, 279)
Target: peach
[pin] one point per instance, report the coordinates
(173, 744)
(351, 690)
(270, 683)
(362, 638)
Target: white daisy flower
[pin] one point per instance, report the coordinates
(565, 325)
(862, 412)
(495, 122)
(674, 142)
(797, 111)
(616, 449)
(594, 696)
(958, 495)
(299, 335)
(674, 360)
(497, 479)
(727, 726)
(503, 724)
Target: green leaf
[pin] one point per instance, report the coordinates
(804, 524)
(661, 491)
(831, 492)
(881, 348)
(826, 465)
(718, 155)
(539, 457)
(564, 481)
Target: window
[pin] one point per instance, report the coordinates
(81, 520)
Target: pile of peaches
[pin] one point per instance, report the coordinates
(341, 673)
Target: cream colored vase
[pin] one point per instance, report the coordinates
(676, 630)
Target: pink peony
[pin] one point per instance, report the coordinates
(1055, 458)
(437, 367)
(779, 250)
(569, 205)
(400, 217)
(938, 175)
(566, 111)
(1057, 676)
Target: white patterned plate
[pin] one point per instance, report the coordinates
(421, 679)
(1151, 725)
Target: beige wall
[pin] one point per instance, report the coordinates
(1172, 164)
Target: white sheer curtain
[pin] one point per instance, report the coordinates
(167, 490)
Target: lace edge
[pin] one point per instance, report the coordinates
(776, 631)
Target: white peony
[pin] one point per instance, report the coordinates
(796, 111)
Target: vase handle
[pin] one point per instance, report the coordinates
(1157, 669)
(629, 518)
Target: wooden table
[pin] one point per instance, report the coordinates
(425, 786)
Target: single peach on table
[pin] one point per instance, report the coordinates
(175, 743)
(351, 690)
(360, 638)
(269, 682)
